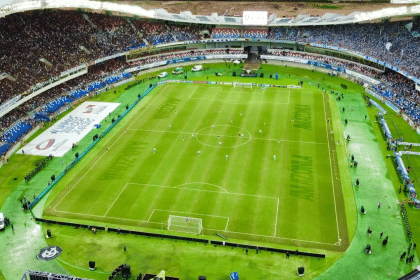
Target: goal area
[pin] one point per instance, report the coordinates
(185, 224)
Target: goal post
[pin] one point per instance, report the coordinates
(244, 85)
(185, 224)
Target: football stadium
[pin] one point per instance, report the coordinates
(209, 139)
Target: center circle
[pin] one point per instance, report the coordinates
(223, 136)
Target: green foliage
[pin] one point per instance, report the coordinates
(328, 7)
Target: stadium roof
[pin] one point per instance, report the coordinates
(10, 7)
(5, 2)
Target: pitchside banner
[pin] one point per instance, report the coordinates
(58, 139)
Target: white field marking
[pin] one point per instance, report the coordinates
(332, 177)
(292, 141)
(284, 238)
(198, 190)
(115, 200)
(258, 138)
(251, 234)
(188, 213)
(99, 216)
(159, 186)
(216, 146)
(151, 214)
(93, 165)
(81, 268)
(239, 101)
(227, 223)
(192, 93)
(203, 184)
(133, 121)
(277, 215)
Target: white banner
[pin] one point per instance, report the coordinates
(99, 60)
(255, 17)
(362, 77)
(9, 103)
(285, 58)
(43, 89)
(226, 56)
(147, 66)
(72, 70)
(58, 139)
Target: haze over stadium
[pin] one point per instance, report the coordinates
(209, 139)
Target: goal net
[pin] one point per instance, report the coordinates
(243, 85)
(185, 224)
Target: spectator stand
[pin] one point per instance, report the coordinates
(255, 33)
(225, 32)
(14, 133)
(56, 104)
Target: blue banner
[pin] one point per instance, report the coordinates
(378, 106)
(386, 129)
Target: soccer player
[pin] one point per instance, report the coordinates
(198, 152)
(231, 121)
(217, 136)
(154, 150)
(170, 126)
(274, 157)
(260, 131)
(293, 120)
(241, 113)
(192, 135)
(220, 143)
(226, 157)
(278, 140)
(212, 126)
(265, 123)
(183, 138)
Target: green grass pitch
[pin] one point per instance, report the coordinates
(214, 160)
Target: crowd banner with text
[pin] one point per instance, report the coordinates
(40, 88)
(285, 58)
(102, 59)
(59, 139)
(9, 103)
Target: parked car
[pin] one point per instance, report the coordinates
(178, 70)
(197, 68)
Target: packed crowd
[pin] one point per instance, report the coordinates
(156, 33)
(330, 60)
(401, 91)
(218, 33)
(370, 39)
(38, 45)
(96, 72)
(67, 39)
(255, 33)
(172, 56)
